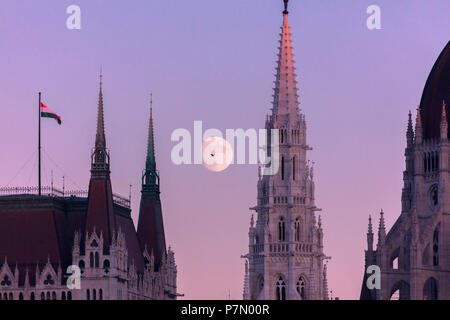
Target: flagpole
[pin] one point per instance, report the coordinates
(39, 143)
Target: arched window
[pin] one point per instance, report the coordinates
(63, 295)
(53, 295)
(430, 289)
(281, 289)
(297, 229)
(32, 296)
(97, 260)
(394, 259)
(21, 296)
(400, 291)
(69, 295)
(5, 296)
(282, 167)
(82, 266)
(301, 288)
(281, 230)
(42, 296)
(436, 246)
(11, 297)
(48, 295)
(293, 168)
(106, 266)
(100, 294)
(91, 260)
(94, 294)
(88, 295)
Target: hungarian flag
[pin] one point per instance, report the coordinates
(47, 113)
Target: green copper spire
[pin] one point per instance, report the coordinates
(150, 164)
(150, 177)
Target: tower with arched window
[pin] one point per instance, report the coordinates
(414, 256)
(285, 258)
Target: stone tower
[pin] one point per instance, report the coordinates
(286, 259)
(150, 226)
(414, 256)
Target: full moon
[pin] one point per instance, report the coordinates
(217, 154)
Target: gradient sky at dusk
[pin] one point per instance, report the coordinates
(214, 61)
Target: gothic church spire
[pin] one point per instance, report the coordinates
(285, 91)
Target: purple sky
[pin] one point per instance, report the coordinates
(214, 61)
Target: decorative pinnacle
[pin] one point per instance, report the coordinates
(419, 123)
(370, 231)
(410, 126)
(286, 7)
(381, 227)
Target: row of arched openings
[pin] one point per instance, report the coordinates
(401, 290)
(431, 161)
(282, 229)
(44, 296)
(94, 294)
(281, 288)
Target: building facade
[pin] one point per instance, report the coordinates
(45, 240)
(414, 256)
(285, 259)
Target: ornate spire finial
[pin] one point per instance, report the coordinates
(370, 225)
(101, 76)
(286, 7)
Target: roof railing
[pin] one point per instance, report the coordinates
(53, 192)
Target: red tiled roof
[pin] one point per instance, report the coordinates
(151, 228)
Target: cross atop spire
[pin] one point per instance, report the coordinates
(286, 7)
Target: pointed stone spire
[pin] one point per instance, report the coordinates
(444, 123)
(409, 131)
(150, 163)
(285, 91)
(381, 229)
(100, 156)
(419, 126)
(100, 139)
(150, 179)
(370, 235)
